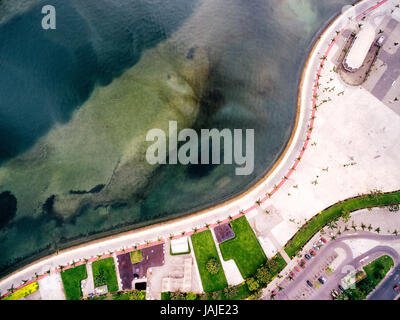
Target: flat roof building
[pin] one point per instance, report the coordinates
(360, 48)
(180, 245)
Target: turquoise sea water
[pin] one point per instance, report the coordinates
(75, 102)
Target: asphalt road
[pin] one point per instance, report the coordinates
(316, 267)
(385, 290)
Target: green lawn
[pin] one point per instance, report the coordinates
(71, 279)
(204, 249)
(317, 222)
(244, 248)
(104, 273)
(376, 272)
(136, 256)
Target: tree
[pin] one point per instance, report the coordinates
(177, 296)
(263, 275)
(378, 230)
(393, 207)
(256, 295)
(345, 215)
(191, 296)
(252, 284)
(230, 292)
(213, 266)
(137, 295)
(216, 295)
(99, 279)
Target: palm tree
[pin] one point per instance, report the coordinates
(241, 212)
(258, 202)
(230, 218)
(378, 230)
(218, 222)
(332, 225)
(395, 232)
(369, 228)
(183, 233)
(363, 226)
(11, 289)
(61, 267)
(73, 263)
(207, 226)
(195, 229)
(171, 237)
(333, 238)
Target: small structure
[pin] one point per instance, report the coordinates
(224, 232)
(353, 277)
(359, 50)
(101, 290)
(180, 246)
(182, 284)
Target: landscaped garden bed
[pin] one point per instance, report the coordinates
(23, 292)
(206, 254)
(244, 248)
(71, 279)
(136, 256)
(104, 274)
(317, 222)
(376, 272)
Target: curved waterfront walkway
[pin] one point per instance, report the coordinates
(184, 226)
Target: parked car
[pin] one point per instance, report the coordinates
(312, 252)
(307, 256)
(323, 239)
(380, 41)
(292, 274)
(322, 280)
(309, 283)
(334, 293)
(296, 269)
(340, 288)
(316, 247)
(396, 288)
(302, 263)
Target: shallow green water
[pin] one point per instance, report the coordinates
(77, 102)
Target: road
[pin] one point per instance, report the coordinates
(316, 267)
(385, 290)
